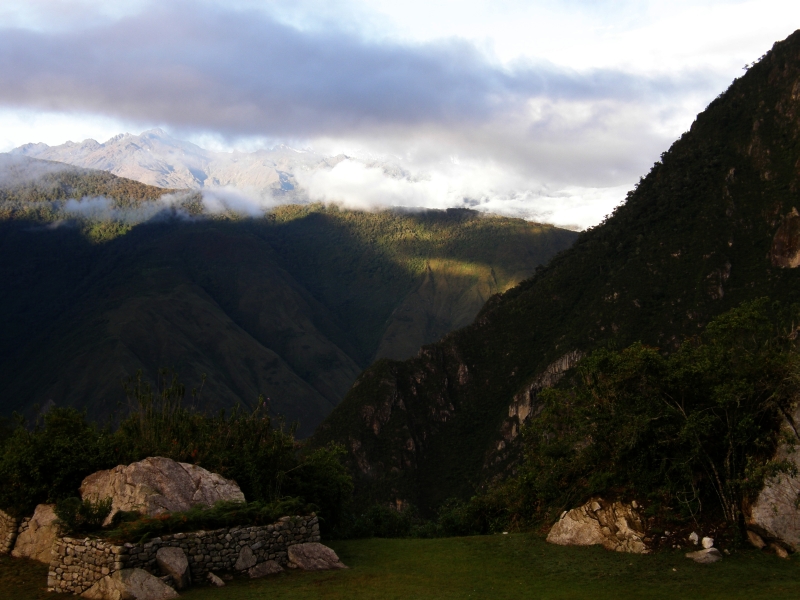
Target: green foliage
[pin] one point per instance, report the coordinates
(694, 430)
(321, 479)
(245, 446)
(82, 516)
(48, 463)
(483, 514)
(221, 515)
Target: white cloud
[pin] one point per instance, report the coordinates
(554, 108)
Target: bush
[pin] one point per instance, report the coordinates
(82, 516)
(48, 463)
(221, 515)
(694, 431)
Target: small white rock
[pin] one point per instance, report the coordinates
(634, 504)
(694, 538)
(214, 580)
(708, 542)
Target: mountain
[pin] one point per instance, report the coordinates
(102, 276)
(713, 224)
(157, 159)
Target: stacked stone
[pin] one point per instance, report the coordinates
(9, 528)
(78, 564)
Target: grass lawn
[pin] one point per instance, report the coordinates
(511, 566)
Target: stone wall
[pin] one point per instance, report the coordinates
(78, 563)
(9, 528)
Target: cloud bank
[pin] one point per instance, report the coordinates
(522, 136)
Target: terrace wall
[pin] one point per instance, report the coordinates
(77, 564)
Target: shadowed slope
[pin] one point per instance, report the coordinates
(292, 306)
(712, 226)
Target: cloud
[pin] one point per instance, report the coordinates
(241, 72)
(492, 189)
(533, 137)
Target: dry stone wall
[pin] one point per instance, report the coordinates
(79, 563)
(9, 528)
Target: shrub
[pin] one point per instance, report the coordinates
(695, 430)
(221, 515)
(82, 516)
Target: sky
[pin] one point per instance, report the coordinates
(548, 110)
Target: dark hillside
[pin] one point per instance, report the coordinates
(713, 224)
(293, 306)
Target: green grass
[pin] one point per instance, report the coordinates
(512, 566)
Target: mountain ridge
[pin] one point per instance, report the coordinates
(712, 225)
(292, 305)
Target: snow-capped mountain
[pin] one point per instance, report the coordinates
(157, 159)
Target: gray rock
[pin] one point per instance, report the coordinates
(313, 556)
(36, 541)
(615, 526)
(705, 556)
(263, 569)
(130, 584)
(246, 559)
(173, 562)
(775, 514)
(158, 485)
(214, 580)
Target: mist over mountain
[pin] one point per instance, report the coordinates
(252, 182)
(155, 158)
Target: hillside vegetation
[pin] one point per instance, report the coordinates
(711, 226)
(292, 305)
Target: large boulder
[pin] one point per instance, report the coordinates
(774, 515)
(130, 584)
(158, 485)
(36, 541)
(313, 556)
(172, 561)
(615, 526)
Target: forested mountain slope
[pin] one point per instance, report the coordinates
(292, 305)
(713, 224)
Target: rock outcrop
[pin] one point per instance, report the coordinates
(615, 526)
(158, 485)
(314, 556)
(785, 250)
(130, 584)
(172, 561)
(37, 539)
(774, 516)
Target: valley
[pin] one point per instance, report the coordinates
(292, 305)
